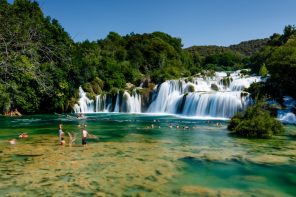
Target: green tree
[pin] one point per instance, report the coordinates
(263, 70)
(255, 122)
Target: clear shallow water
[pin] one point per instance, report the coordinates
(126, 157)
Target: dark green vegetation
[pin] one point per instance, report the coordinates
(255, 122)
(230, 58)
(35, 60)
(41, 67)
(278, 59)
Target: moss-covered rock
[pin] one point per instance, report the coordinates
(214, 87)
(146, 96)
(226, 81)
(190, 88)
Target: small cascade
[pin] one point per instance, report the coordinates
(241, 83)
(220, 104)
(286, 115)
(85, 105)
(168, 93)
(108, 103)
(102, 103)
(116, 109)
(132, 102)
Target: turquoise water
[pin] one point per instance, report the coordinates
(127, 156)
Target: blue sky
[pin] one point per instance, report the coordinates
(196, 22)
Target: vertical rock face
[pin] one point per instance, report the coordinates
(202, 96)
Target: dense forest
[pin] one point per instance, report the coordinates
(41, 67)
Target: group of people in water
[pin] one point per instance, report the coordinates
(11, 113)
(61, 135)
(85, 134)
(184, 127)
(21, 136)
(72, 137)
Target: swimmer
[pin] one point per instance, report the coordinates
(23, 135)
(12, 141)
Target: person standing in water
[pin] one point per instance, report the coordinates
(61, 133)
(84, 135)
(63, 142)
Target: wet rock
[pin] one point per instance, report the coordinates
(214, 87)
(230, 193)
(259, 179)
(268, 159)
(266, 192)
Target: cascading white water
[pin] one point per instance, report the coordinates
(123, 103)
(116, 109)
(217, 96)
(168, 93)
(203, 97)
(132, 102)
(85, 105)
(220, 104)
(101, 103)
(286, 115)
(238, 84)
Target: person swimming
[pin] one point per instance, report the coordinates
(12, 141)
(23, 135)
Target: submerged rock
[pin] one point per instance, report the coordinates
(198, 190)
(269, 159)
(205, 191)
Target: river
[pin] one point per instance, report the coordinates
(142, 155)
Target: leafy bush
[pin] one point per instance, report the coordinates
(256, 122)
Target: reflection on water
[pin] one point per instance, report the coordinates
(140, 155)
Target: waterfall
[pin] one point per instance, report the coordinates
(286, 115)
(219, 95)
(220, 104)
(240, 83)
(203, 96)
(169, 93)
(98, 103)
(131, 103)
(85, 105)
(116, 109)
(102, 103)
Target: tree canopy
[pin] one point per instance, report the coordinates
(41, 67)
(278, 59)
(255, 122)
